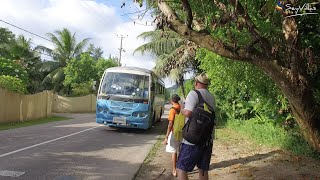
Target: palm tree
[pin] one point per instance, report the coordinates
(29, 59)
(175, 56)
(66, 48)
(19, 50)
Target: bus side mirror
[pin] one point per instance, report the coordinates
(152, 87)
(94, 85)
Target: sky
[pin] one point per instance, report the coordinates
(104, 21)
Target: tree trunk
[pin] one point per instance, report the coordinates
(301, 101)
(181, 84)
(183, 90)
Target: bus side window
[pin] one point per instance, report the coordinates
(158, 88)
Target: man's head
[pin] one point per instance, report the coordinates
(175, 98)
(201, 81)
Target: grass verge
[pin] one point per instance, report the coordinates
(154, 150)
(13, 125)
(264, 131)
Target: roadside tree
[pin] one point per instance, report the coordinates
(284, 46)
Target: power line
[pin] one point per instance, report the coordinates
(32, 34)
(26, 30)
(99, 15)
(134, 20)
(136, 12)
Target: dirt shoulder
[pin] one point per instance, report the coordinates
(236, 157)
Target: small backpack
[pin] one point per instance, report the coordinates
(179, 121)
(199, 127)
(178, 124)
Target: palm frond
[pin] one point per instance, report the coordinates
(160, 46)
(55, 40)
(48, 78)
(44, 50)
(158, 34)
(58, 77)
(49, 66)
(80, 47)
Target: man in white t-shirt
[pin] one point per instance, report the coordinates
(191, 154)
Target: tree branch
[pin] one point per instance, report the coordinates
(187, 8)
(204, 38)
(221, 6)
(252, 28)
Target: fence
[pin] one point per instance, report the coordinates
(17, 107)
(74, 104)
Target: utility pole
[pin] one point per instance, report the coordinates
(121, 49)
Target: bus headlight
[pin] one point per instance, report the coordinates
(101, 109)
(139, 114)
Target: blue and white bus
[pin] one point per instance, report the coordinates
(130, 97)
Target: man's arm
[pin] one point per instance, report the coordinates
(186, 113)
(190, 104)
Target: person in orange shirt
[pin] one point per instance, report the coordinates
(172, 145)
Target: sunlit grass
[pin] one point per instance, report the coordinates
(13, 125)
(265, 131)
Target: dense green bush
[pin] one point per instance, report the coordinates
(82, 89)
(241, 90)
(80, 73)
(13, 84)
(11, 68)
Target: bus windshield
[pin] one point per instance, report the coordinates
(125, 84)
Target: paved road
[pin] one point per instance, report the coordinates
(74, 149)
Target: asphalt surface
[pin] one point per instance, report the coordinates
(74, 149)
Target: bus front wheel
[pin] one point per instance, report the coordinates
(161, 112)
(154, 118)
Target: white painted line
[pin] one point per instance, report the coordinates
(46, 142)
(11, 173)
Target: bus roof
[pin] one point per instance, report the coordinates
(147, 71)
(131, 68)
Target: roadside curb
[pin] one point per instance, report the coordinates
(154, 150)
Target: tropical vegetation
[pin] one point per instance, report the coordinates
(74, 67)
(264, 41)
(175, 56)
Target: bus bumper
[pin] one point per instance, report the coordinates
(131, 122)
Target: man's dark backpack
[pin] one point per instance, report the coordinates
(199, 127)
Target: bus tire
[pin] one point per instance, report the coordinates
(154, 119)
(160, 116)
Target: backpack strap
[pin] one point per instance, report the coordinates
(201, 100)
(176, 109)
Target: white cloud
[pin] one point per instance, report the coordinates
(87, 18)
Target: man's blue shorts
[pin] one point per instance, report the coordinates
(192, 155)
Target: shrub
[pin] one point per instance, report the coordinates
(13, 84)
(82, 89)
(10, 68)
